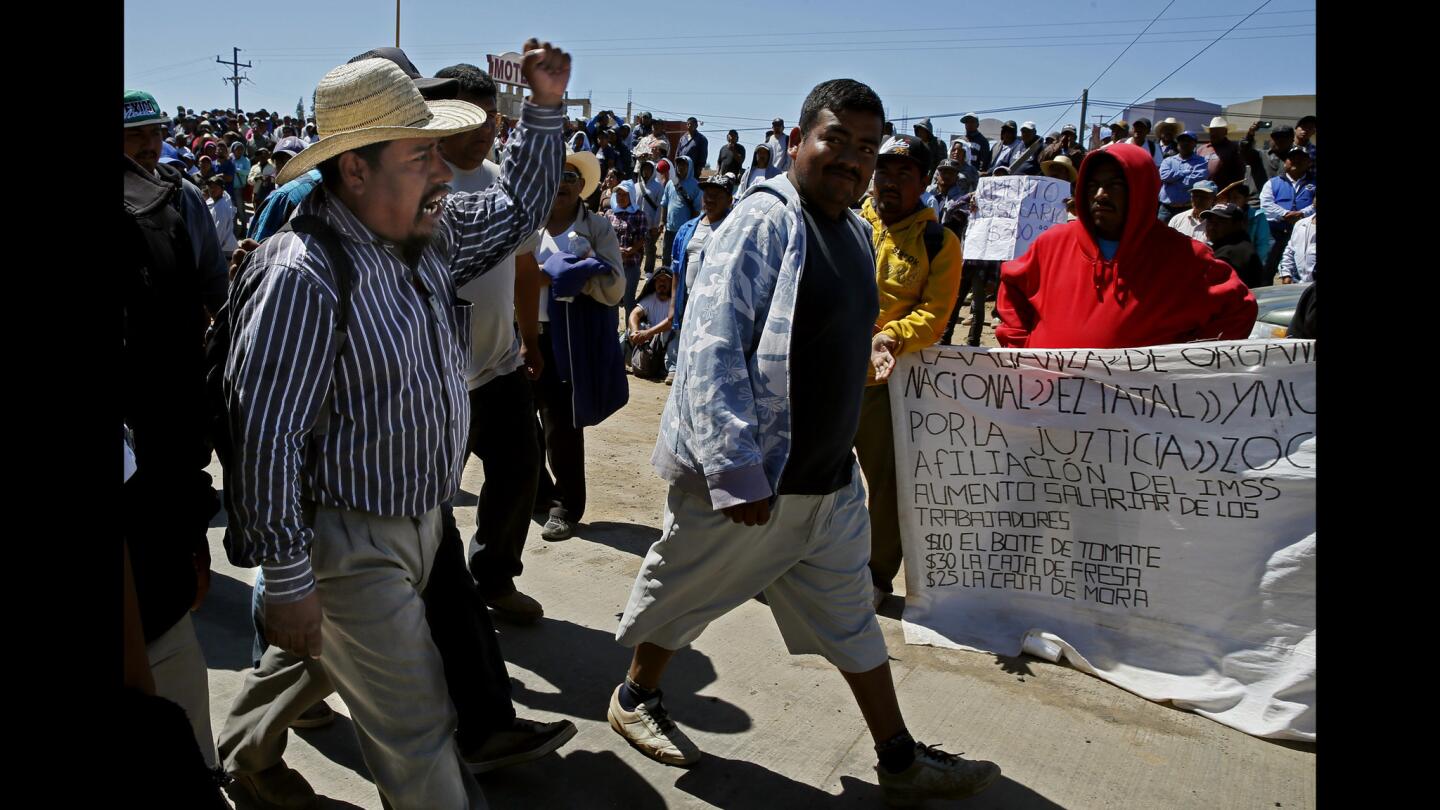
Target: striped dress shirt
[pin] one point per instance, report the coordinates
(395, 398)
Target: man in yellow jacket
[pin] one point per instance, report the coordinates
(918, 277)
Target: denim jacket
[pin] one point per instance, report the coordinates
(725, 431)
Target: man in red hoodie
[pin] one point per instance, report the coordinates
(1117, 277)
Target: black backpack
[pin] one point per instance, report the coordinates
(934, 240)
(222, 331)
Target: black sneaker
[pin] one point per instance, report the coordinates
(522, 742)
(935, 774)
(557, 529)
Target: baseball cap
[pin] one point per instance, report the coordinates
(291, 146)
(1068, 128)
(1119, 125)
(171, 155)
(1283, 131)
(1205, 187)
(1189, 133)
(141, 109)
(1143, 121)
(431, 89)
(1009, 125)
(727, 181)
(1297, 151)
(907, 147)
(1030, 125)
(1229, 211)
(951, 163)
(969, 117)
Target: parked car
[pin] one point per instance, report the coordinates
(1277, 308)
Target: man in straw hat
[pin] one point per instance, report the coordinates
(346, 445)
(284, 691)
(1165, 132)
(1178, 175)
(1223, 154)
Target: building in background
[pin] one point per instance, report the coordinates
(1278, 110)
(1194, 113)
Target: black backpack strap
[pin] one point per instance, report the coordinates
(340, 265)
(934, 240)
(343, 272)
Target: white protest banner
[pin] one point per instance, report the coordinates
(1011, 213)
(506, 68)
(1147, 513)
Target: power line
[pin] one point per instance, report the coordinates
(750, 36)
(1196, 56)
(1112, 64)
(825, 47)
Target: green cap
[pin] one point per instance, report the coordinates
(141, 109)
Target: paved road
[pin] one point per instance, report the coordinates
(777, 731)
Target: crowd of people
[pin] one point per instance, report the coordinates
(345, 309)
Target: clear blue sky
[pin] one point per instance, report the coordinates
(928, 58)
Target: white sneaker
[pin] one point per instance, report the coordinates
(935, 774)
(651, 731)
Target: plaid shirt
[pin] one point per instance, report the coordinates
(631, 228)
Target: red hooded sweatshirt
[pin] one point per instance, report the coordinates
(1161, 287)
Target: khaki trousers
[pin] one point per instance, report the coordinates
(377, 652)
(178, 666)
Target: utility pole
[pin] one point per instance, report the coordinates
(1084, 103)
(397, 23)
(236, 78)
(629, 97)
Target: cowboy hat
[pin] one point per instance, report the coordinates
(373, 101)
(1064, 163)
(1218, 123)
(1169, 124)
(589, 167)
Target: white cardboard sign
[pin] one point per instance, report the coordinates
(1011, 212)
(1149, 514)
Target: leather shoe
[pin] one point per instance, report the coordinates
(278, 787)
(522, 742)
(516, 607)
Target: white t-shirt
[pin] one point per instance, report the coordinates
(223, 212)
(545, 248)
(655, 309)
(1191, 226)
(692, 250)
(494, 340)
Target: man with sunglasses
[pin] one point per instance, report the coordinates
(572, 228)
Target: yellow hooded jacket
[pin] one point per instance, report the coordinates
(916, 296)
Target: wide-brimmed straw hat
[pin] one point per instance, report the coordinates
(371, 101)
(1064, 163)
(589, 167)
(1169, 124)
